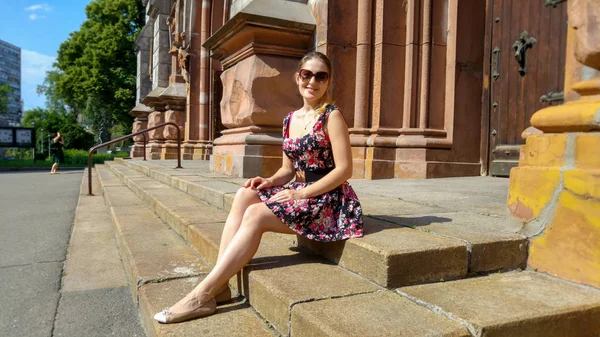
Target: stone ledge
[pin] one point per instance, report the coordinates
(516, 304)
(278, 283)
(393, 256)
(388, 315)
(150, 250)
(232, 319)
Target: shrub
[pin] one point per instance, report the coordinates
(80, 157)
(40, 156)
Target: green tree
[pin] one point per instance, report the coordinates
(47, 122)
(95, 71)
(5, 90)
(48, 89)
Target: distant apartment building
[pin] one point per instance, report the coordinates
(10, 72)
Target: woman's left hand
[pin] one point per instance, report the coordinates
(287, 195)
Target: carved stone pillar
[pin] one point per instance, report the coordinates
(156, 137)
(198, 143)
(259, 49)
(555, 191)
(143, 86)
(173, 98)
(418, 78)
(140, 113)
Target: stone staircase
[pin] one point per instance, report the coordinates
(424, 268)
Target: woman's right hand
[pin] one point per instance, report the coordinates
(258, 183)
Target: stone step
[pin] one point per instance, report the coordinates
(161, 268)
(278, 278)
(514, 304)
(389, 254)
(303, 295)
(446, 244)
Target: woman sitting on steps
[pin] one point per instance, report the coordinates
(319, 204)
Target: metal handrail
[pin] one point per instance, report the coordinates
(141, 132)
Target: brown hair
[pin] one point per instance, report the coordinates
(326, 100)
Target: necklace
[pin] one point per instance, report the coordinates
(311, 120)
(307, 124)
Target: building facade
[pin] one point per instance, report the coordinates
(10, 72)
(428, 88)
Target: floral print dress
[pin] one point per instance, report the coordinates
(332, 216)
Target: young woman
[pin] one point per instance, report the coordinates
(319, 204)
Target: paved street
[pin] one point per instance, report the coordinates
(38, 297)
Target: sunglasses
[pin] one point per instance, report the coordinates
(320, 76)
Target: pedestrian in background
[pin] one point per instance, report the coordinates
(56, 151)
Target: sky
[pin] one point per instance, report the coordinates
(38, 28)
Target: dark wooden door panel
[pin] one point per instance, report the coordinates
(528, 57)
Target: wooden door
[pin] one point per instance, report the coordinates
(527, 70)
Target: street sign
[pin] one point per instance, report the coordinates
(17, 137)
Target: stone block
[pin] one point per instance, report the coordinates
(160, 77)
(587, 153)
(546, 150)
(390, 27)
(358, 162)
(515, 304)
(211, 192)
(392, 255)
(437, 83)
(585, 183)
(410, 170)
(530, 190)
(160, 176)
(246, 161)
(181, 183)
(156, 118)
(121, 196)
(343, 61)
(206, 237)
(389, 63)
(160, 24)
(569, 248)
(106, 177)
(170, 132)
(152, 254)
(236, 319)
(342, 23)
(490, 245)
(259, 90)
(371, 315)
(278, 278)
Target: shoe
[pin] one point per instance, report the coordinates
(223, 295)
(197, 306)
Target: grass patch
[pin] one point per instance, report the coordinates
(73, 158)
(27, 163)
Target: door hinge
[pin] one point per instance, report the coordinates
(553, 3)
(553, 97)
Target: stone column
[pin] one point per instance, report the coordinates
(160, 69)
(173, 98)
(420, 82)
(140, 113)
(143, 86)
(259, 49)
(555, 192)
(198, 143)
(156, 137)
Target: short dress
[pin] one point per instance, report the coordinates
(332, 216)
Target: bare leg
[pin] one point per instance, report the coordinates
(54, 167)
(243, 198)
(257, 220)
